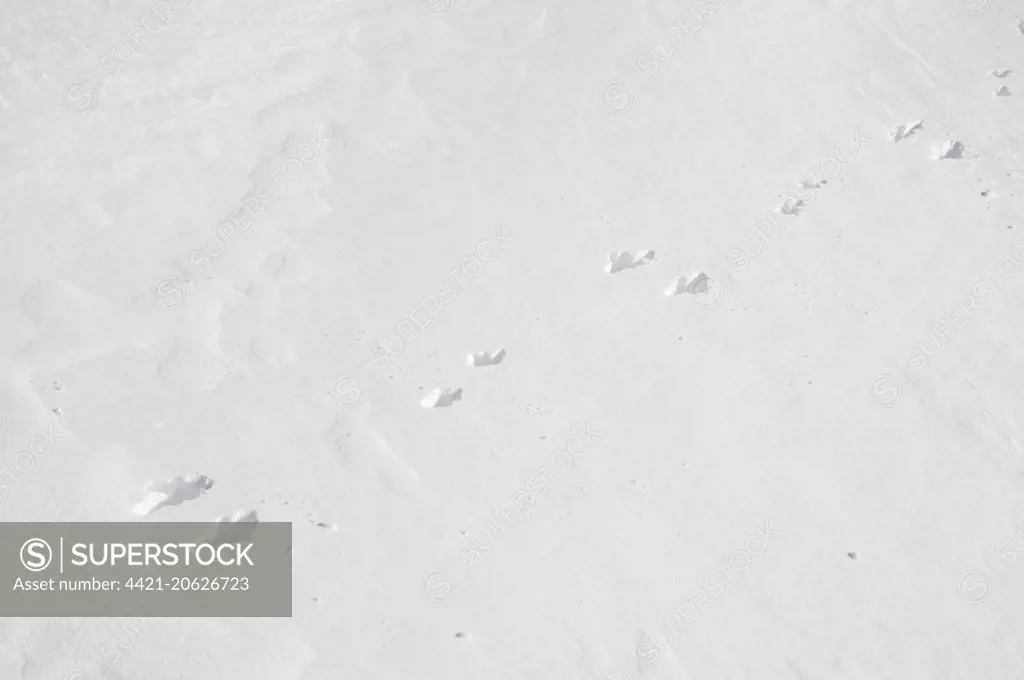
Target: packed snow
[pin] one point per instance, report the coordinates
(374, 267)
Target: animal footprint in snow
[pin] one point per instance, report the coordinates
(694, 285)
(904, 131)
(1001, 72)
(477, 359)
(678, 286)
(441, 398)
(1003, 91)
(234, 528)
(619, 261)
(173, 491)
(951, 149)
(791, 206)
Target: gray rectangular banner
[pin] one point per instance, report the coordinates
(147, 569)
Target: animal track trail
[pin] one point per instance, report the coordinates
(173, 491)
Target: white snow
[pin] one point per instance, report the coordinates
(248, 238)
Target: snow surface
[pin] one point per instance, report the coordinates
(764, 478)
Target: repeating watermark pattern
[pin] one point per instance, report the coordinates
(792, 204)
(616, 97)
(169, 291)
(975, 6)
(975, 585)
(706, 291)
(348, 390)
(80, 96)
(885, 390)
(24, 461)
(1008, 453)
(619, 674)
(714, 587)
(438, 7)
(111, 651)
(438, 585)
(689, 24)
